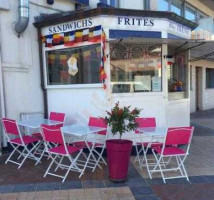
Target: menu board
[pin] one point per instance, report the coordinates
(156, 84)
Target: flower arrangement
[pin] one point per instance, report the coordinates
(122, 120)
(179, 83)
(177, 86)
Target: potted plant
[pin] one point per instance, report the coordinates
(121, 120)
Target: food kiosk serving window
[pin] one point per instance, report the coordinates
(135, 68)
(76, 65)
(177, 77)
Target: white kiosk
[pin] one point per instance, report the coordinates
(136, 53)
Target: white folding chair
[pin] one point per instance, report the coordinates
(176, 145)
(11, 129)
(53, 135)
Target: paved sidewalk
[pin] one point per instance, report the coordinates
(203, 119)
(120, 193)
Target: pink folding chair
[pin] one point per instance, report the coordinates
(98, 141)
(52, 134)
(175, 138)
(144, 123)
(59, 117)
(55, 116)
(11, 130)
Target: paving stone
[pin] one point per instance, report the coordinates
(150, 197)
(132, 182)
(22, 195)
(109, 183)
(24, 188)
(141, 191)
(209, 178)
(48, 186)
(198, 179)
(71, 185)
(44, 194)
(93, 184)
(6, 188)
(177, 181)
(155, 181)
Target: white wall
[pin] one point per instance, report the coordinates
(78, 104)
(20, 57)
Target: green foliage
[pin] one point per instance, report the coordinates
(122, 120)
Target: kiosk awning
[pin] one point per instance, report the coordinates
(199, 49)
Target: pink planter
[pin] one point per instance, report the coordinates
(118, 155)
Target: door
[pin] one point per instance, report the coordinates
(198, 88)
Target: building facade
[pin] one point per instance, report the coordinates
(22, 61)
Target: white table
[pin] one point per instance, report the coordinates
(156, 135)
(36, 123)
(83, 131)
(31, 126)
(153, 131)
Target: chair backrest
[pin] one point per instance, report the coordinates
(60, 117)
(145, 122)
(52, 134)
(98, 122)
(179, 136)
(10, 126)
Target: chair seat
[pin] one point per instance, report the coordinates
(82, 144)
(37, 135)
(169, 151)
(61, 149)
(26, 139)
(155, 144)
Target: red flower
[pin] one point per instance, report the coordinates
(133, 111)
(120, 112)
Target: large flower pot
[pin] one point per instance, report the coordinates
(118, 155)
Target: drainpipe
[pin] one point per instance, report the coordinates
(22, 23)
(2, 101)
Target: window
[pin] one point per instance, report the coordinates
(163, 5)
(176, 7)
(191, 71)
(177, 74)
(135, 68)
(113, 3)
(201, 15)
(209, 78)
(83, 67)
(190, 13)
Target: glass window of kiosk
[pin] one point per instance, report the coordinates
(79, 65)
(135, 68)
(177, 77)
